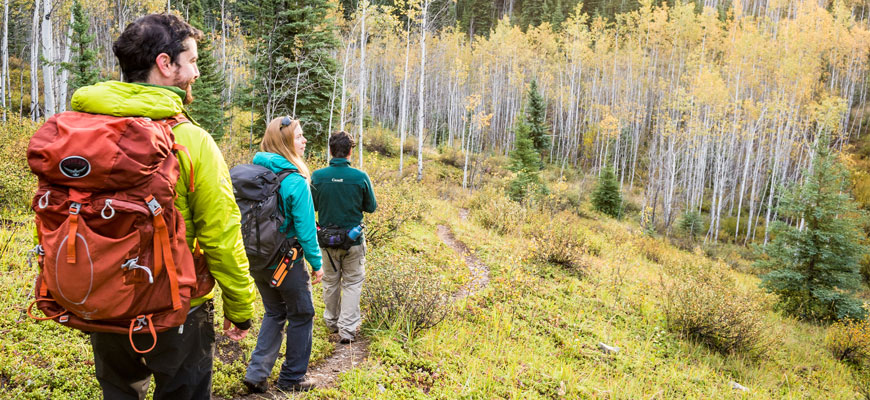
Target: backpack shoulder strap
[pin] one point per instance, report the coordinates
(177, 119)
(174, 121)
(285, 173)
(281, 176)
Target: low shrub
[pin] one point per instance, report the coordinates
(704, 304)
(453, 156)
(564, 243)
(654, 250)
(849, 340)
(492, 209)
(562, 197)
(400, 294)
(410, 145)
(398, 202)
(381, 140)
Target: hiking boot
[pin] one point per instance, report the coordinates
(259, 387)
(346, 340)
(301, 386)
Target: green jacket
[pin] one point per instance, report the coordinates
(341, 194)
(299, 217)
(210, 213)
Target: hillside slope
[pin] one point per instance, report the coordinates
(562, 281)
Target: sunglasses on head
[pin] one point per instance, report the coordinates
(286, 121)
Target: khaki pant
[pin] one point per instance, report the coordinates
(343, 275)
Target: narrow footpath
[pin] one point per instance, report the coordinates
(347, 356)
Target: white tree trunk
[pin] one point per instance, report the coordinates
(331, 114)
(34, 64)
(362, 80)
(63, 82)
(421, 98)
(4, 53)
(403, 118)
(343, 121)
(48, 67)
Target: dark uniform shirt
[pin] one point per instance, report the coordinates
(341, 194)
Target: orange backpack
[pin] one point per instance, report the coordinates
(112, 250)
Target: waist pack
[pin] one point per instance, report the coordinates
(112, 251)
(333, 237)
(257, 192)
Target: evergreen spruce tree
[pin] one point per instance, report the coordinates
(207, 108)
(83, 65)
(475, 16)
(533, 14)
(536, 120)
(293, 61)
(815, 264)
(557, 16)
(525, 161)
(606, 197)
(691, 223)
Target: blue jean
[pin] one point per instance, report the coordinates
(289, 304)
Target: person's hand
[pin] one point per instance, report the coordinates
(233, 332)
(316, 276)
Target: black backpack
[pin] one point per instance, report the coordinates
(257, 193)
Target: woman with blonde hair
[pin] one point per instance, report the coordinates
(289, 302)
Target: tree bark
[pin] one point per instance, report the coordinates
(421, 98)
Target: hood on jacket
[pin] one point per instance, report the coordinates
(124, 99)
(273, 161)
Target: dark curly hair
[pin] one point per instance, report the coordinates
(145, 38)
(340, 144)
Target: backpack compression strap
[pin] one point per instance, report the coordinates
(173, 122)
(163, 250)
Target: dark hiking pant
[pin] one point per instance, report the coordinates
(181, 362)
(289, 304)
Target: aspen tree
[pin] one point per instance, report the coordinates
(34, 63)
(4, 54)
(421, 99)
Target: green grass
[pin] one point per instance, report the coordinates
(532, 333)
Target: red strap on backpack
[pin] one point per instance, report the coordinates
(142, 322)
(71, 239)
(45, 318)
(163, 250)
(177, 147)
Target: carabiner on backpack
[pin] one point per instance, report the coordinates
(108, 206)
(131, 265)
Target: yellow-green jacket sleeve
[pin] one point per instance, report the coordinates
(213, 219)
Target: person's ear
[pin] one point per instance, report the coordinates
(164, 65)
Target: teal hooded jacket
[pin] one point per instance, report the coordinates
(299, 216)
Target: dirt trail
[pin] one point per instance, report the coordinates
(344, 358)
(479, 271)
(347, 356)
